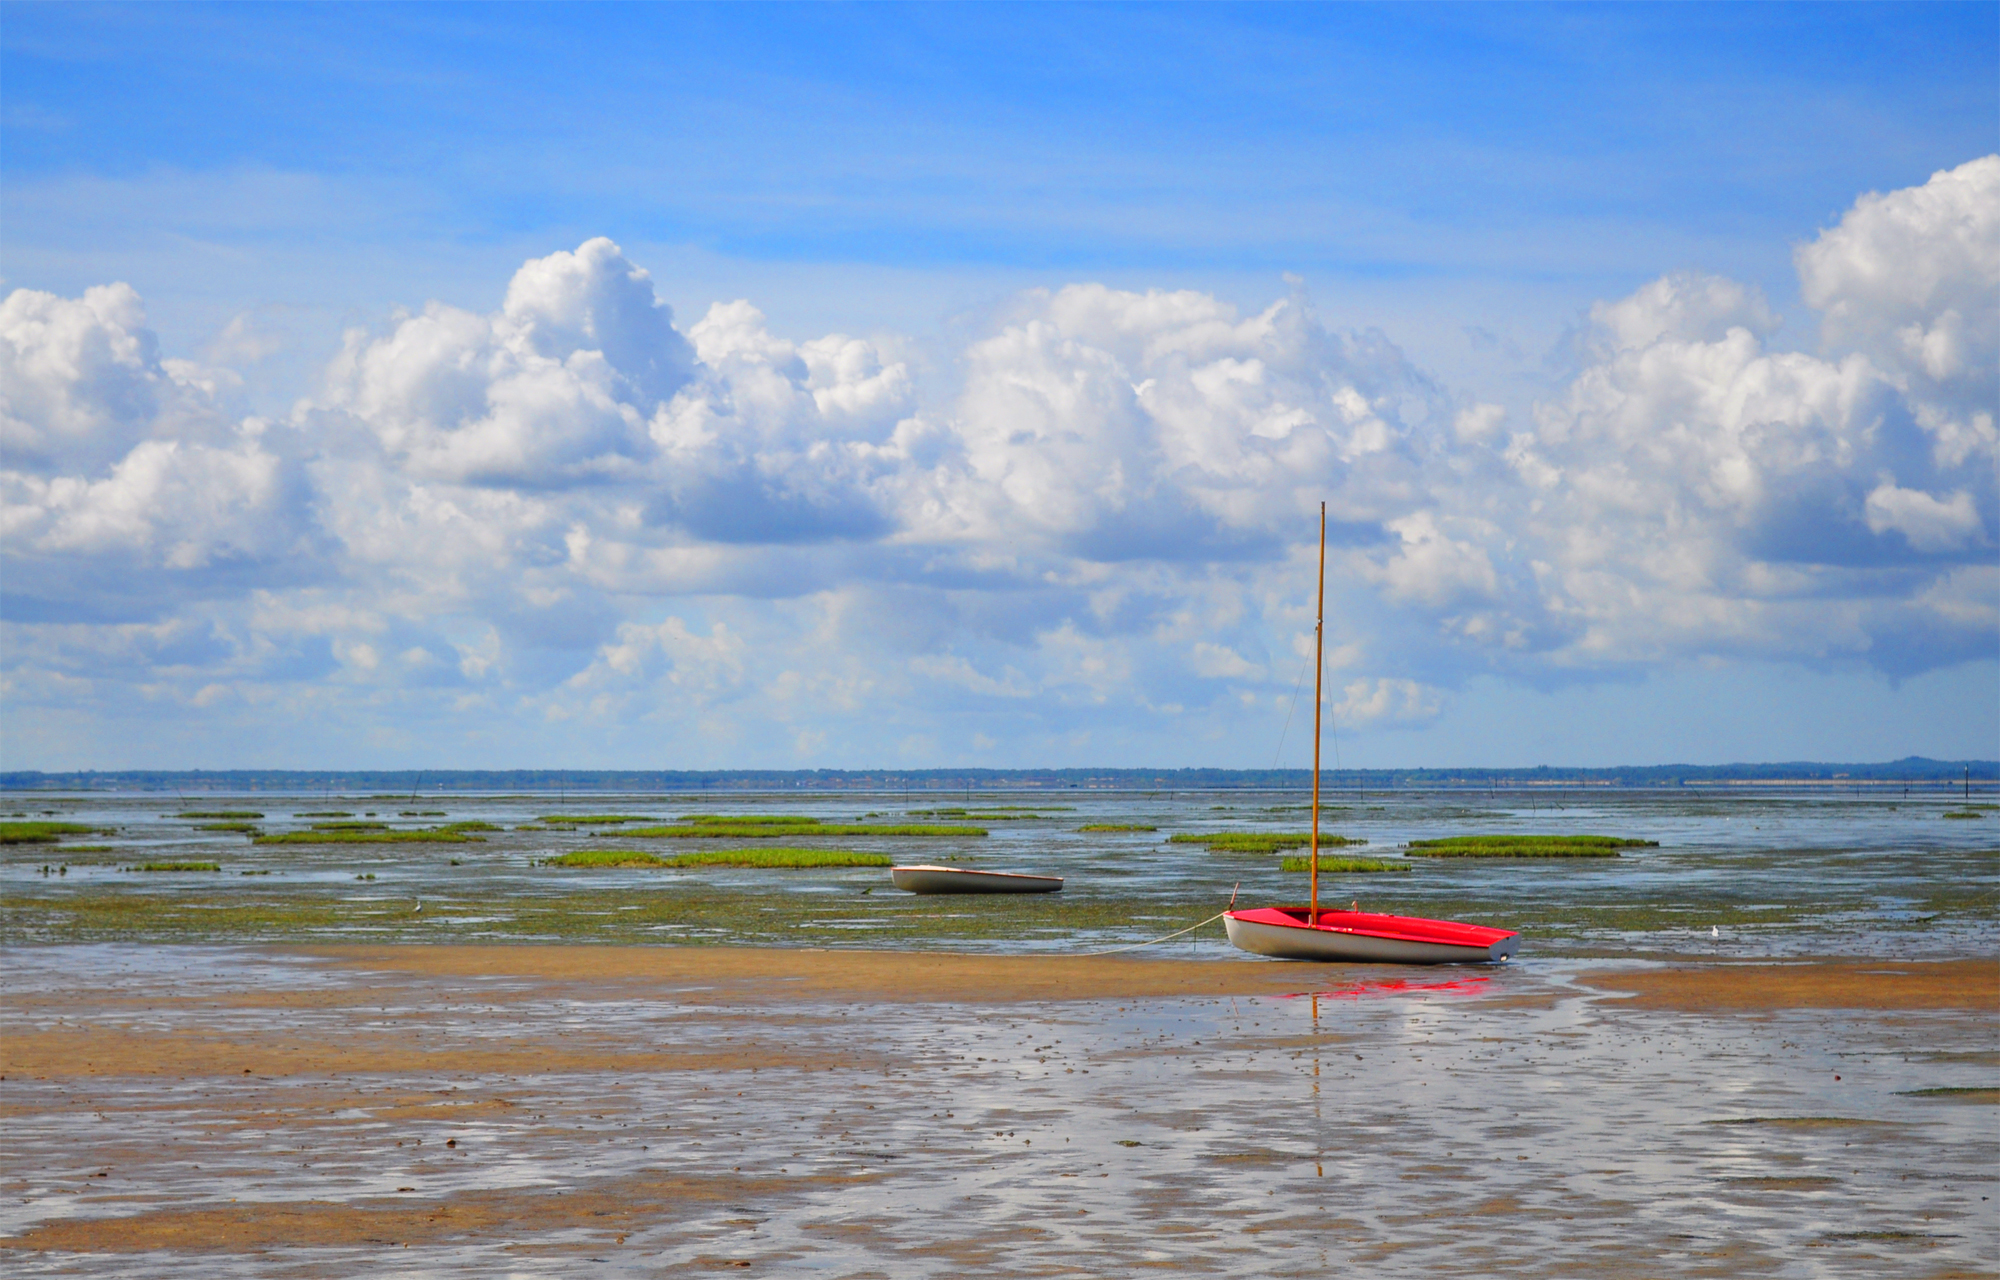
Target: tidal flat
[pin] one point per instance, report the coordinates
(563, 1110)
(1731, 875)
(1762, 1046)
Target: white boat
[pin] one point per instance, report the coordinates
(1308, 933)
(934, 879)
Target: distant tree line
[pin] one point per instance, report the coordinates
(1912, 770)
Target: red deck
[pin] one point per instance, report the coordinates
(1448, 933)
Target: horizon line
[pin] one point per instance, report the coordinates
(1907, 770)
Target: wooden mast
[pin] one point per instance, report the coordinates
(1319, 674)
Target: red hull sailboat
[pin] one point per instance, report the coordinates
(1308, 933)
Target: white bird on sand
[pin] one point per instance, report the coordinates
(419, 910)
(1713, 931)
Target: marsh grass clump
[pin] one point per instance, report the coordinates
(318, 836)
(1525, 846)
(178, 866)
(606, 858)
(240, 828)
(1361, 866)
(1963, 813)
(1259, 841)
(45, 832)
(1973, 1093)
(421, 813)
(754, 829)
(220, 813)
(1115, 826)
(779, 858)
(322, 813)
(995, 813)
(471, 824)
(590, 819)
(1804, 1122)
(765, 858)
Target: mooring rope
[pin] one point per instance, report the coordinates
(1150, 941)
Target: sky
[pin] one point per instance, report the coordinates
(880, 386)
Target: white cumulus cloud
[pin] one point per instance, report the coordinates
(1097, 520)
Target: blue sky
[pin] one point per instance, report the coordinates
(870, 562)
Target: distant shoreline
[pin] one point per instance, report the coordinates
(1910, 771)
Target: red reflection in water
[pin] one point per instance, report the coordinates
(1395, 987)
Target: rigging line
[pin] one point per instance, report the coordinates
(1297, 685)
(1150, 941)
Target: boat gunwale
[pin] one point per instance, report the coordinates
(972, 871)
(1450, 933)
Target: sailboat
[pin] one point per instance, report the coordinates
(1308, 933)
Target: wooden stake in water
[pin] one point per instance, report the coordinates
(1319, 674)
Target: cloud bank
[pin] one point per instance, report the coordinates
(1086, 534)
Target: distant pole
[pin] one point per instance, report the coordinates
(1968, 784)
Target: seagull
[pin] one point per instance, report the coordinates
(419, 910)
(1713, 931)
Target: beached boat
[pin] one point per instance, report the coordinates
(1308, 933)
(933, 879)
(1282, 933)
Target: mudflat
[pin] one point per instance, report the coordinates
(539, 1109)
(770, 973)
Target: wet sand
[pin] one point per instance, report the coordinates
(1966, 985)
(550, 1110)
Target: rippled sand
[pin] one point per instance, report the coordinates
(477, 1111)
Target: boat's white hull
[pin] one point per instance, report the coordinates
(925, 879)
(1289, 942)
